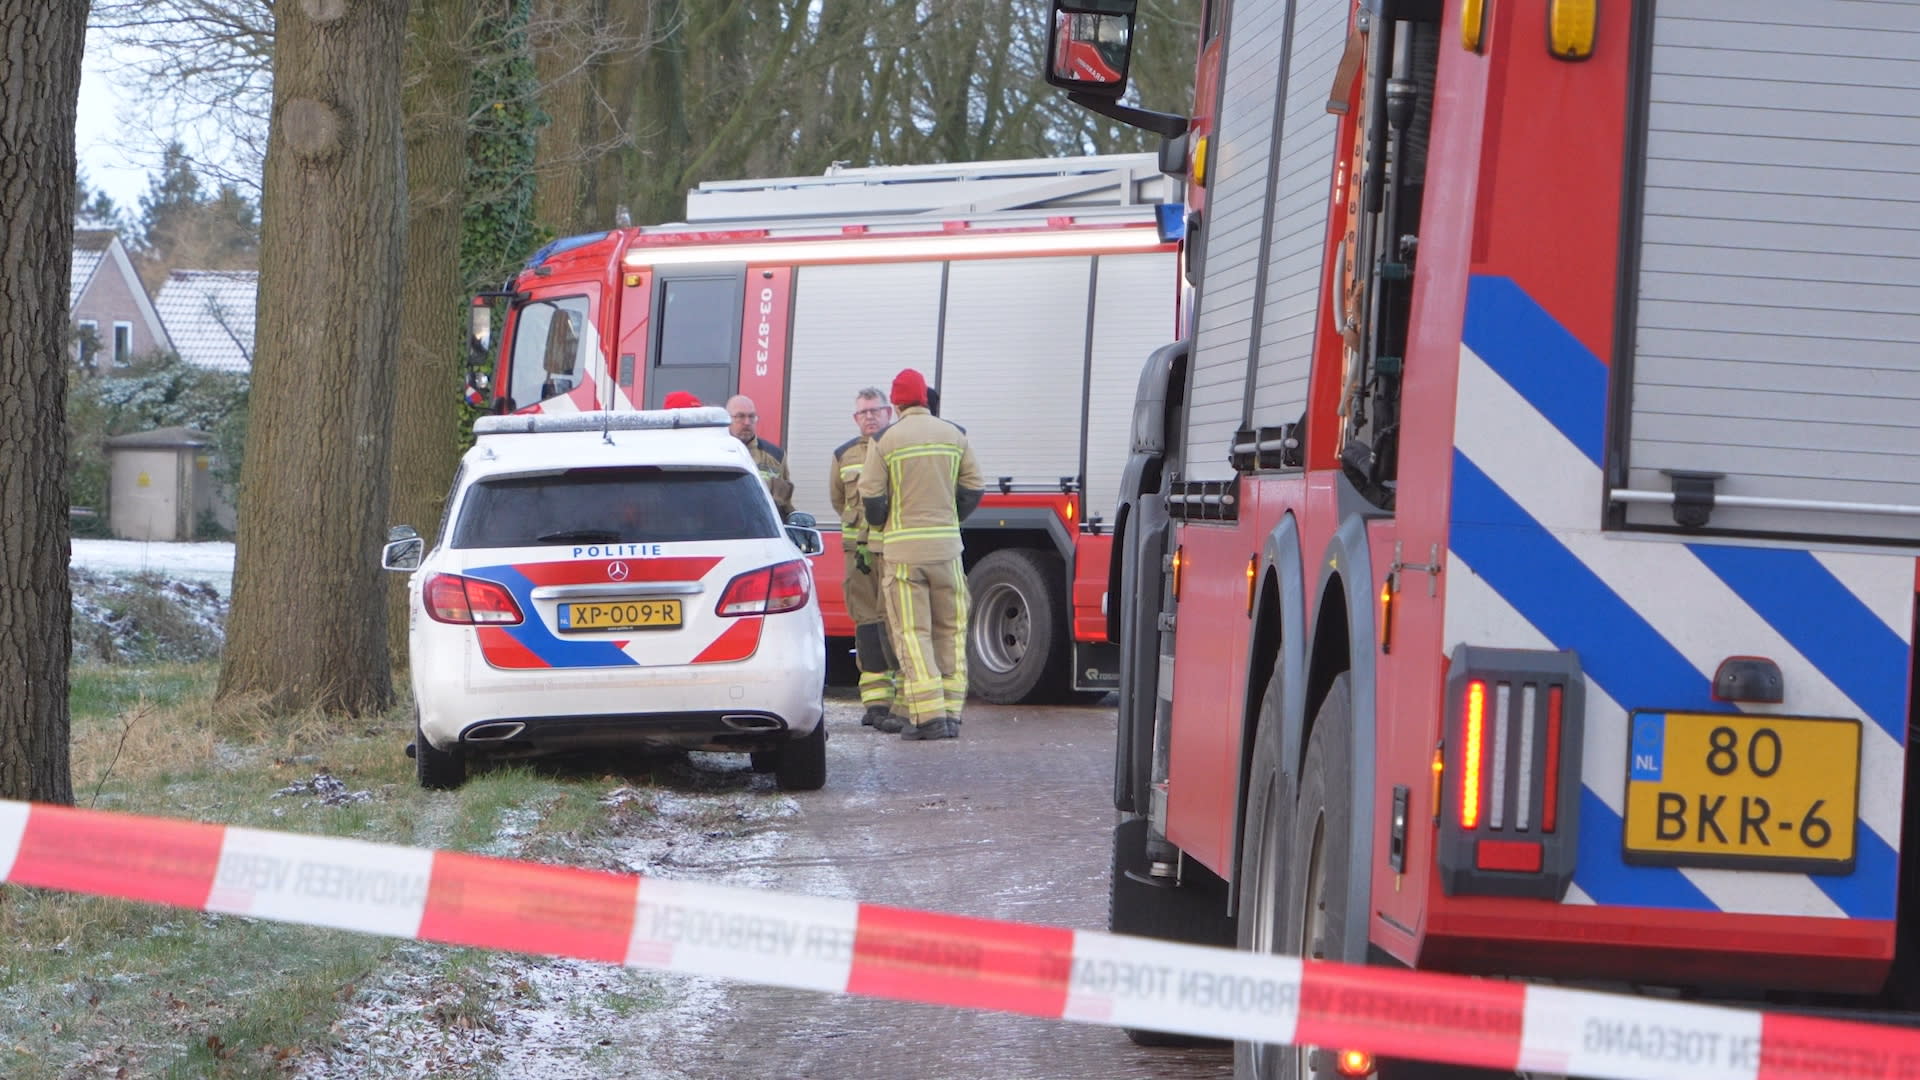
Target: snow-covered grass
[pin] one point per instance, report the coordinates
(136, 602)
(211, 563)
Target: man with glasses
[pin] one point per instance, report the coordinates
(861, 544)
(768, 458)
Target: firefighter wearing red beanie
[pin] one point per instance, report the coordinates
(680, 399)
(918, 482)
(909, 388)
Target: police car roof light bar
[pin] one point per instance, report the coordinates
(601, 421)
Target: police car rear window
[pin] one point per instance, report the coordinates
(606, 506)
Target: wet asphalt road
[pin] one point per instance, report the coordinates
(1010, 821)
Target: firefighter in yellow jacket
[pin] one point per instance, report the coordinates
(743, 420)
(919, 481)
(863, 566)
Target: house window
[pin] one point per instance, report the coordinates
(87, 339)
(122, 344)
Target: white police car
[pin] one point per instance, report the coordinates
(607, 580)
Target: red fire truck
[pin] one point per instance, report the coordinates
(1518, 546)
(1026, 291)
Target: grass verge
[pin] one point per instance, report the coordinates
(100, 987)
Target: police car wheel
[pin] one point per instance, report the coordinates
(802, 763)
(439, 770)
(764, 761)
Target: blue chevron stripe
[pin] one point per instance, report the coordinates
(1822, 619)
(533, 633)
(1545, 364)
(1601, 874)
(1635, 664)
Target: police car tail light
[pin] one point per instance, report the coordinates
(465, 601)
(768, 590)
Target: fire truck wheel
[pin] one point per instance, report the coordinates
(439, 770)
(1194, 912)
(1266, 832)
(1318, 878)
(1017, 649)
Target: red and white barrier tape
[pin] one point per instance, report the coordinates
(842, 946)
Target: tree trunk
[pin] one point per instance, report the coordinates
(308, 623)
(561, 62)
(40, 47)
(426, 415)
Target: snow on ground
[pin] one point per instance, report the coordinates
(137, 602)
(210, 562)
(549, 1018)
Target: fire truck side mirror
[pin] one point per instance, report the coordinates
(480, 332)
(1089, 43)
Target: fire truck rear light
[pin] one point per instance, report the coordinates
(1511, 754)
(1509, 856)
(1523, 783)
(1497, 800)
(1550, 780)
(1473, 740)
(1355, 1063)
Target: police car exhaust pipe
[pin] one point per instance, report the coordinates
(499, 732)
(742, 722)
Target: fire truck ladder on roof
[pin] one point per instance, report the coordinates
(1081, 187)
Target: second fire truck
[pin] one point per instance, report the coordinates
(1025, 291)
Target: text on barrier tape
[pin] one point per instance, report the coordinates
(843, 946)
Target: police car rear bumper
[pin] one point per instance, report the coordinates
(576, 708)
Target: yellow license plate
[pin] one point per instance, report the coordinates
(1742, 791)
(620, 615)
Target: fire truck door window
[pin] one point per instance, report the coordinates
(548, 356)
(698, 344)
(697, 325)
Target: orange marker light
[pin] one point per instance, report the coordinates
(1179, 554)
(1386, 615)
(1355, 1063)
(1439, 774)
(1470, 757)
(1253, 562)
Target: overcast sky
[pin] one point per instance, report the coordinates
(112, 134)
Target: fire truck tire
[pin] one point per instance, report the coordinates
(1017, 645)
(1314, 877)
(1195, 912)
(802, 764)
(439, 770)
(1266, 833)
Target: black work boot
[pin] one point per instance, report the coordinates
(940, 727)
(891, 723)
(875, 714)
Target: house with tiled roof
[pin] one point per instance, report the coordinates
(209, 315)
(113, 317)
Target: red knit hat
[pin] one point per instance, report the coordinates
(909, 388)
(680, 399)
